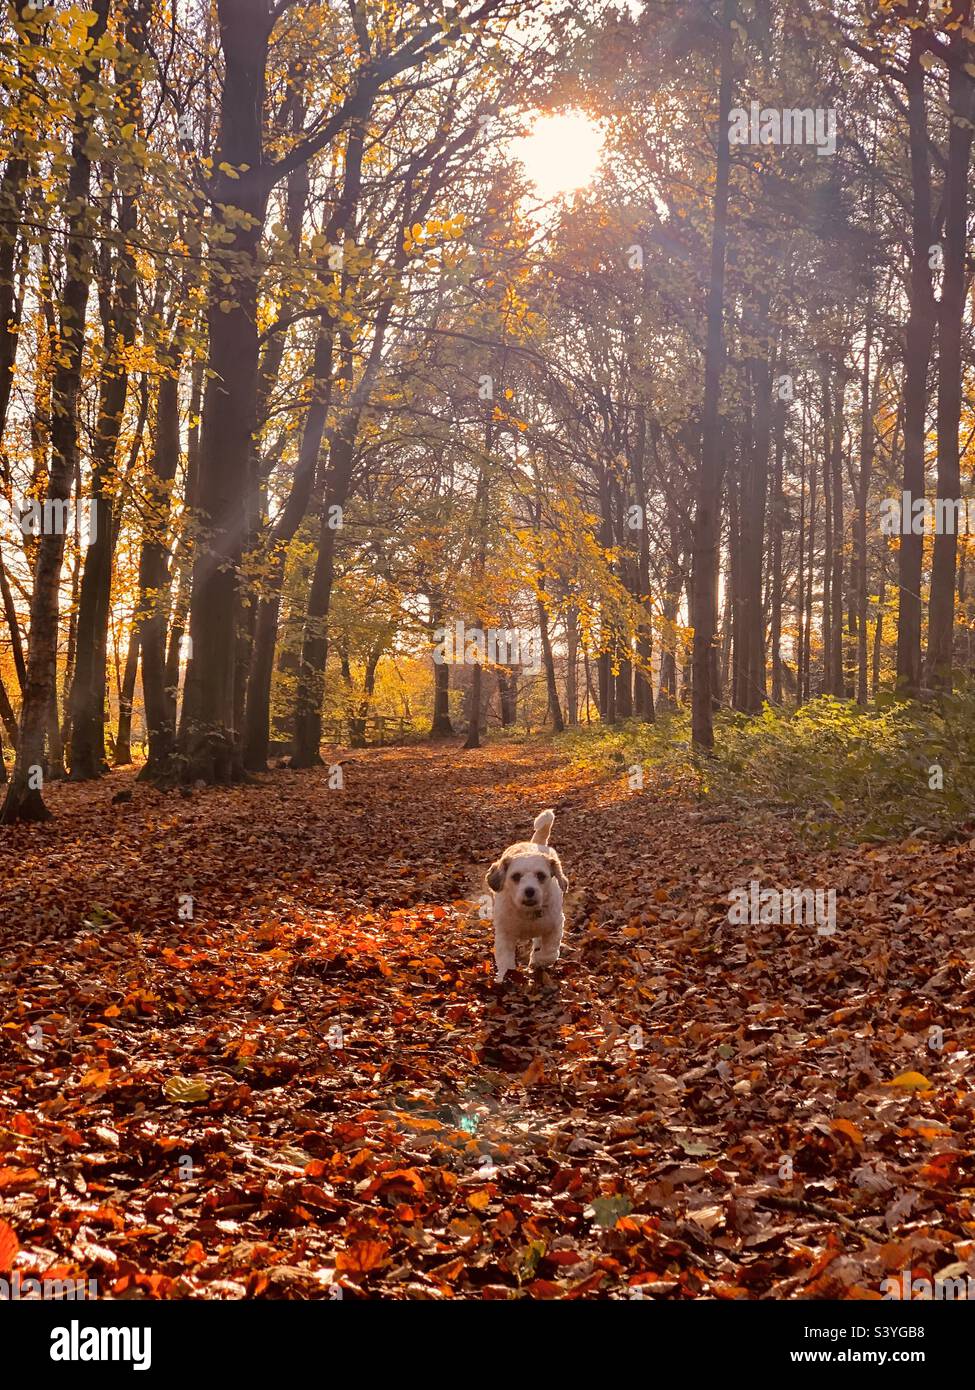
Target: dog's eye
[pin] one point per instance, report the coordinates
(516, 878)
(542, 876)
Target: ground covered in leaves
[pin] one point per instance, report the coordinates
(251, 1047)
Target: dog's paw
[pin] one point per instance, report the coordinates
(505, 980)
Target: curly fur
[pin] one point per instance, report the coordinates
(528, 885)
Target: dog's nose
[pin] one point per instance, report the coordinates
(529, 891)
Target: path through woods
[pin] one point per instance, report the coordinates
(324, 1044)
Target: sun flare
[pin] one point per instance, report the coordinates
(561, 154)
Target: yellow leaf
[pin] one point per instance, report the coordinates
(911, 1081)
(186, 1090)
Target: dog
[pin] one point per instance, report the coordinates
(527, 884)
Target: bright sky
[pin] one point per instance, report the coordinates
(561, 154)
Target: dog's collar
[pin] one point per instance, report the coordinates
(533, 912)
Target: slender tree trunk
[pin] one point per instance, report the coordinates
(7, 716)
(182, 560)
(838, 683)
(154, 589)
(917, 354)
(863, 495)
(314, 647)
(673, 584)
(707, 513)
(754, 491)
(800, 604)
(506, 697)
(123, 739)
(12, 245)
(481, 504)
(87, 704)
(473, 739)
(16, 641)
(23, 800)
(257, 720)
(951, 314)
(878, 637)
(776, 578)
(733, 639)
(810, 573)
(440, 725)
(551, 685)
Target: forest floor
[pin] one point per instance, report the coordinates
(313, 1082)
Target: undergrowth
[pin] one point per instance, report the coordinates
(845, 774)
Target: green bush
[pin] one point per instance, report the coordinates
(844, 773)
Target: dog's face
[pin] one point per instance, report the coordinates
(527, 878)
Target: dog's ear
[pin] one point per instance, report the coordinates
(496, 873)
(558, 874)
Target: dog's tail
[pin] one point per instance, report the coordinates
(543, 824)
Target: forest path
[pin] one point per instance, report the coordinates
(323, 1043)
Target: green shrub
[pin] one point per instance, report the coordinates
(844, 773)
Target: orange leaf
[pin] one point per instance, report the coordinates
(362, 1256)
(534, 1073)
(9, 1245)
(15, 1179)
(404, 1175)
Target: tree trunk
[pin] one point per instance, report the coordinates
(119, 316)
(754, 492)
(314, 647)
(473, 739)
(182, 560)
(257, 719)
(23, 799)
(707, 517)
(154, 589)
(837, 686)
(440, 725)
(123, 739)
(863, 494)
(951, 314)
(551, 685)
(917, 353)
(229, 407)
(572, 665)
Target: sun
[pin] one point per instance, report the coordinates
(561, 154)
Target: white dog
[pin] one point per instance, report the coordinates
(528, 884)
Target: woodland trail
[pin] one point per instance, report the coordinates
(313, 1081)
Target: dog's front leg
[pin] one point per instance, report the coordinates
(504, 957)
(545, 949)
